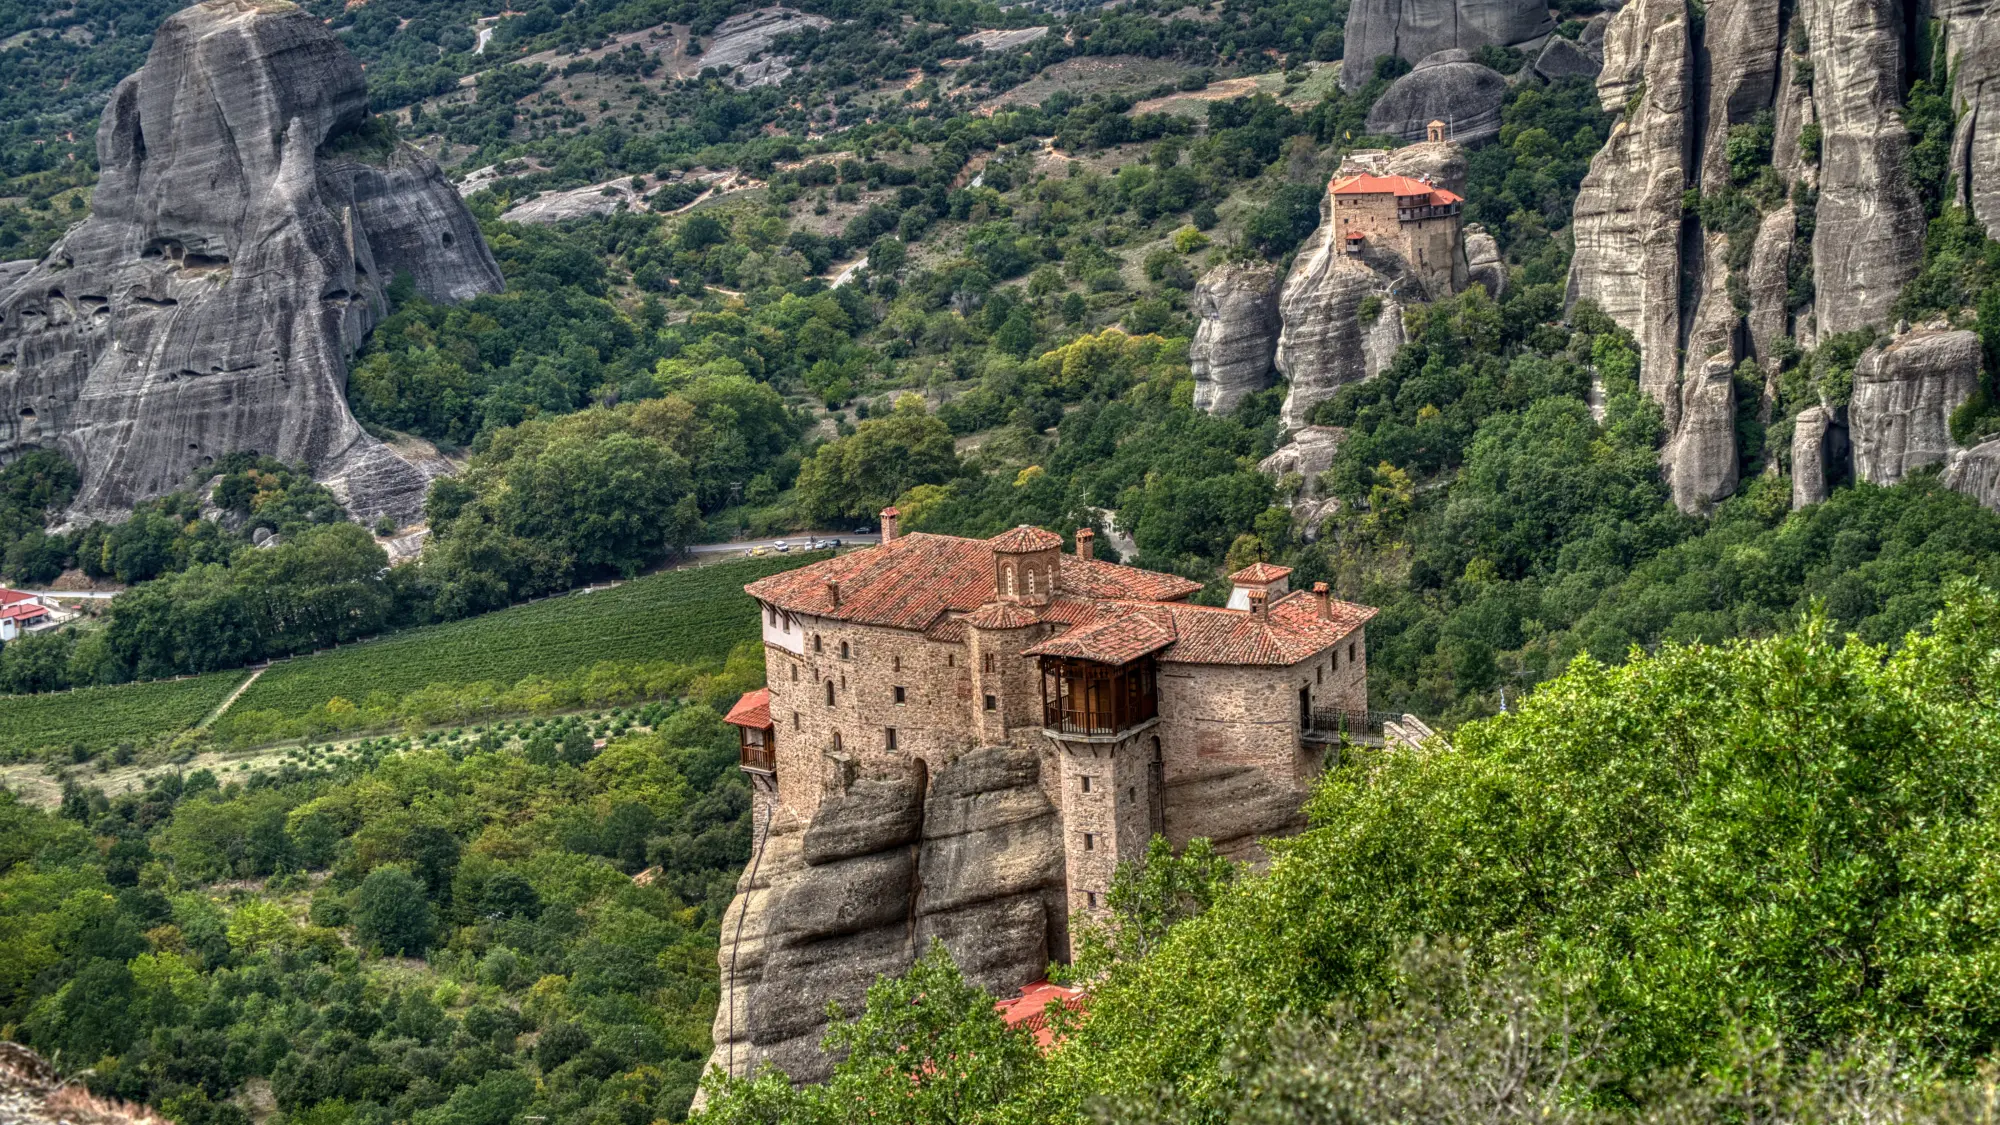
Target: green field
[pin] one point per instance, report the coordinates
(102, 717)
(685, 616)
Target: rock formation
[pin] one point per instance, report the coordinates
(32, 1093)
(1563, 59)
(1819, 444)
(1976, 472)
(1627, 219)
(1741, 38)
(1869, 240)
(1231, 354)
(1899, 419)
(1446, 86)
(245, 226)
(1413, 29)
(1483, 264)
(888, 862)
(1309, 453)
(1701, 458)
(1972, 41)
(1324, 345)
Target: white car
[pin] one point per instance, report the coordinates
(781, 546)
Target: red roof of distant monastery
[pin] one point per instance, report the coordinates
(1400, 186)
(753, 710)
(1031, 1009)
(941, 585)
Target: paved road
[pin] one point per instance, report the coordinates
(798, 542)
(71, 593)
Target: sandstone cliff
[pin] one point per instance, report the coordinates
(1900, 417)
(889, 862)
(1413, 29)
(1237, 304)
(240, 242)
(1447, 86)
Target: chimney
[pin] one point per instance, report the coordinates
(833, 592)
(889, 517)
(1322, 601)
(1258, 602)
(1084, 538)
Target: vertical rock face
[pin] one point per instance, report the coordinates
(1972, 39)
(1817, 445)
(1869, 239)
(888, 862)
(1701, 458)
(1412, 29)
(236, 253)
(1232, 349)
(1324, 345)
(1483, 264)
(1899, 419)
(1769, 281)
(1628, 211)
(1976, 472)
(1741, 37)
(1447, 86)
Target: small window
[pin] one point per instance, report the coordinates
(1091, 899)
(992, 703)
(770, 616)
(829, 693)
(1086, 782)
(889, 737)
(900, 694)
(986, 662)
(1350, 652)
(895, 664)
(1336, 660)
(795, 673)
(1131, 795)
(950, 660)
(845, 652)
(795, 720)
(1319, 674)
(816, 644)
(836, 741)
(1090, 841)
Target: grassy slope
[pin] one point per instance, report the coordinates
(102, 717)
(683, 616)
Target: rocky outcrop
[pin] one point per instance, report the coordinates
(1627, 219)
(1440, 162)
(1414, 29)
(1769, 280)
(1562, 58)
(576, 203)
(1899, 419)
(1237, 304)
(1819, 446)
(1701, 459)
(1972, 40)
(1309, 453)
(1741, 39)
(1483, 265)
(1976, 472)
(1324, 344)
(887, 863)
(246, 223)
(1447, 86)
(1870, 224)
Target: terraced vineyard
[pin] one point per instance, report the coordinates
(100, 718)
(684, 615)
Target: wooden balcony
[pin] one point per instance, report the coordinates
(1083, 698)
(760, 755)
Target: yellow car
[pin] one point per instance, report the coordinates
(759, 552)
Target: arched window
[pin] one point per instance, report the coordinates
(816, 644)
(1031, 580)
(829, 693)
(795, 673)
(844, 650)
(836, 742)
(1008, 573)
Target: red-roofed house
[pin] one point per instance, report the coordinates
(1409, 217)
(23, 612)
(1150, 715)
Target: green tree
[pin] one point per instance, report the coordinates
(864, 472)
(391, 912)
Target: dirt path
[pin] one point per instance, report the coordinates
(233, 696)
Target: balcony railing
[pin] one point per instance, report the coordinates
(1081, 697)
(763, 759)
(1331, 722)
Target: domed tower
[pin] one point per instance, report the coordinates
(1024, 565)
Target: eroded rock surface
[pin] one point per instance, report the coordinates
(1231, 354)
(1819, 444)
(1701, 458)
(1324, 343)
(973, 859)
(1563, 59)
(1447, 86)
(243, 231)
(1483, 264)
(1899, 419)
(1413, 29)
(1976, 472)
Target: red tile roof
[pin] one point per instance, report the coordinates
(22, 611)
(1002, 615)
(753, 710)
(1260, 572)
(9, 597)
(913, 580)
(1400, 186)
(1289, 632)
(1031, 1009)
(1023, 539)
